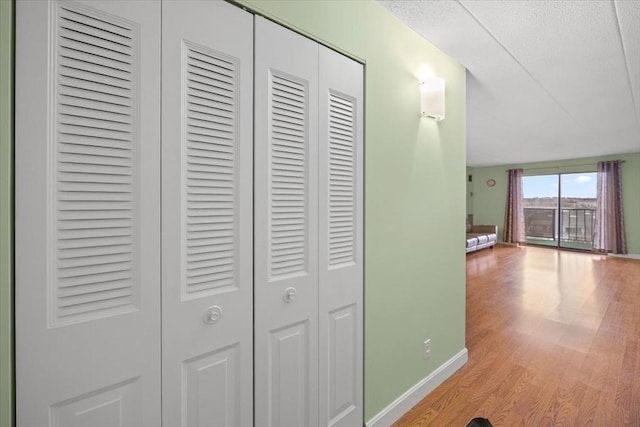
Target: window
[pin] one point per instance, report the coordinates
(559, 209)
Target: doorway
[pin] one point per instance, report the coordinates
(559, 209)
(143, 295)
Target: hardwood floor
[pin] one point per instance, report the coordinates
(553, 340)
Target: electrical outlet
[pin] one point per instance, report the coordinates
(426, 349)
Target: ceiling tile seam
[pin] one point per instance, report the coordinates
(626, 63)
(519, 63)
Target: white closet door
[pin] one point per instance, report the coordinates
(87, 220)
(286, 256)
(207, 214)
(340, 238)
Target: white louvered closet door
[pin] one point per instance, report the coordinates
(88, 213)
(340, 239)
(207, 248)
(286, 228)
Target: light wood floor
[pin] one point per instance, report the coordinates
(553, 340)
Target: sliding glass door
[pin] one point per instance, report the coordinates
(559, 209)
(541, 209)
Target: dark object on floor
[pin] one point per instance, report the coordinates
(479, 422)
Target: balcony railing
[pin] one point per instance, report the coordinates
(574, 225)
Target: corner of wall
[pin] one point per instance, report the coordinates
(403, 404)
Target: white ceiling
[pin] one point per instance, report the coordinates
(546, 80)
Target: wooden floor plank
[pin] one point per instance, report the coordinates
(553, 339)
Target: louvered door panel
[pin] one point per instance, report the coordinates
(211, 208)
(286, 228)
(95, 174)
(340, 240)
(342, 133)
(207, 214)
(289, 98)
(87, 165)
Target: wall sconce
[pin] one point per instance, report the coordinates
(432, 98)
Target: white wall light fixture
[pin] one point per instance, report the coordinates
(432, 98)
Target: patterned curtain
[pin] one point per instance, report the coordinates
(514, 214)
(609, 234)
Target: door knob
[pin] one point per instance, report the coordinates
(289, 295)
(212, 315)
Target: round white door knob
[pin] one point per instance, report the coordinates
(289, 295)
(212, 315)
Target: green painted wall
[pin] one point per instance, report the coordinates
(414, 191)
(6, 213)
(489, 202)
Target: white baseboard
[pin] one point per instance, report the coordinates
(415, 394)
(630, 256)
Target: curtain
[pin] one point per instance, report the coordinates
(514, 214)
(608, 233)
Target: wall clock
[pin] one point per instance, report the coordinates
(491, 182)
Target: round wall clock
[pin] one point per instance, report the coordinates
(491, 182)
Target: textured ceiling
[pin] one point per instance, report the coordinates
(546, 80)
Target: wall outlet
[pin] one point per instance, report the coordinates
(426, 349)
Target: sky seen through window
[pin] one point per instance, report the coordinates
(578, 185)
